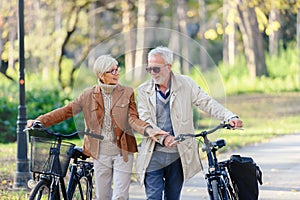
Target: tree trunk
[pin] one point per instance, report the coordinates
(128, 40)
(229, 39)
(181, 8)
(92, 33)
(252, 39)
(274, 35)
(140, 55)
(75, 11)
(298, 42)
(203, 41)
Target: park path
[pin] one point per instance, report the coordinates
(279, 160)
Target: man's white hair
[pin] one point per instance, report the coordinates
(164, 52)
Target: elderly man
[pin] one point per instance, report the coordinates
(165, 102)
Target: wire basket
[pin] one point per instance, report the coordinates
(48, 158)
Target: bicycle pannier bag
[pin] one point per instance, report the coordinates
(244, 174)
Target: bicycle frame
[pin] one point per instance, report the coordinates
(214, 170)
(51, 174)
(85, 169)
(217, 179)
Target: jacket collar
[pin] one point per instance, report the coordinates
(117, 93)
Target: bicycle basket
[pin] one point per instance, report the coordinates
(46, 158)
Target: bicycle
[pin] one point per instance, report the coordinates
(50, 160)
(218, 181)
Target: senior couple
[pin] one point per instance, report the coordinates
(164, 111)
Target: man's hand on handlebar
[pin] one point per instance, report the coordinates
(170, 142)
(235, 123)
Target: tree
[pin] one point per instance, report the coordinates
(274, 31)
(298, 38)
(181, 9)
(252, 39)
(229, 34)
(72, 23)
(140, 41)
(129, 39)
(202, 29)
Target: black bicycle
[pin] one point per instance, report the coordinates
(50, 160)
(218, 181)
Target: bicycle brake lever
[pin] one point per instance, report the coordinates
(27, 129)
(227, 126)
(179, 138)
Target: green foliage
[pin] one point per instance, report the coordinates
(38, 102)
(8, 120)
(42, 101)
(284, 75)
(284, 65)
(42, 96)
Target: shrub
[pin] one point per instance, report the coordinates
(38, 102)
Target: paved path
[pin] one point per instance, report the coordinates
(279, 160)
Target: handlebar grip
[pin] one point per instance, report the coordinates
(36, 125)
(227, 126)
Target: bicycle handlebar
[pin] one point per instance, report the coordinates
(182, 137)
(39, 126)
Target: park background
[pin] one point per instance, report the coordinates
(244, 53)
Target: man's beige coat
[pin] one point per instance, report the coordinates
(185, 94)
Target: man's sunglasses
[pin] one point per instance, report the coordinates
(114, 71)
(154, 69)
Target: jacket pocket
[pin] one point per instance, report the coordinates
(124, 103)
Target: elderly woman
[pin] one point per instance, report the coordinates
(110, 110)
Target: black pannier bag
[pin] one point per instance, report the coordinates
(245, 175)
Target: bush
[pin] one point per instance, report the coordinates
(8, 120)
(38, 102)
(283, 75)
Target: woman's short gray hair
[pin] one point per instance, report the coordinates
(164, 52)
(103, 64)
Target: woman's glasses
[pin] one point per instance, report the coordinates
(114, 71)
(154, 69)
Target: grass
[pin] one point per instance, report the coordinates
(264, 117)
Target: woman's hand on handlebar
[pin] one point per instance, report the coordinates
(32, 122)
(153, 134)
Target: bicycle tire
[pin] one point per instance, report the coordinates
(81, 189)
(230, 192)
(41, 191)
(219, 192)
(215, 190)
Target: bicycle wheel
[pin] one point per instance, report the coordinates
(219, 191)
(41, 191)
(81, 189)
(215, 190)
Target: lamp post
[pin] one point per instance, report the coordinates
(22, 174)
